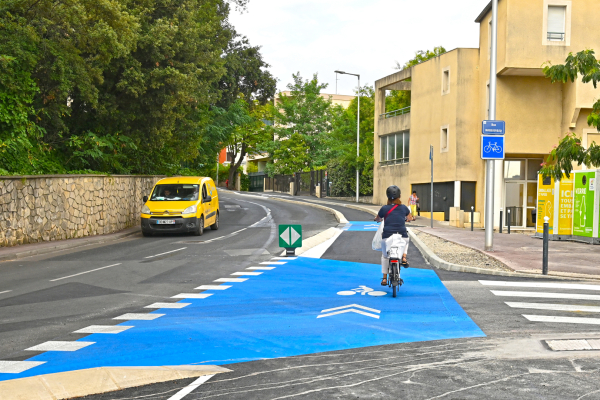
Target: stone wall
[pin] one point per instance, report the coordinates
(56, 207)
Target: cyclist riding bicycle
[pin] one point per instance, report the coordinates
(395, 215)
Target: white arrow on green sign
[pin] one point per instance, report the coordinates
(290, 236)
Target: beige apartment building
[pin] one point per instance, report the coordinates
(449, 101)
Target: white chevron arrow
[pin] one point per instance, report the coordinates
(349, 308)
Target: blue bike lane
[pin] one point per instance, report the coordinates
(298, 307)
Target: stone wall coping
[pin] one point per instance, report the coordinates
(79, 176)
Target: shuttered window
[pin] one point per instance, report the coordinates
(556, 23)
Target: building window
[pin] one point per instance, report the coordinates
(557, 23)
(394, 148)
(446, 81)
(444, 139)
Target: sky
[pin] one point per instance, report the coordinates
(364, 37)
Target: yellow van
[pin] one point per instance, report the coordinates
(181, 204)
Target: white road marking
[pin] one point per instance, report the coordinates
(273, 263)
(348, 311)
(16, 367)
(565, 320)
(352, 305)
(213, 287)
(554, 307)
(231, 280)
(190, 388)
(113, 329)
(261, 268)
(574, 286)
(168, 305)
(246, 273)
(545, 295)
(192, 295)
(167, 252)
(139, 317)
(285, 258)
(226, 236)
(6, 291)
(60, 346)
(86, 272)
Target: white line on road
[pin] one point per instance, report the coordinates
(168, 305)
(231, 280)
(285, 258)
(246, 273)
(213, 287)
(273, 263)
(190, 388)
(162, 254)
(192, 295)
(564, 320)
(549, 285)
(6, 291)
(223, 237)
(86, 272)
(545, 295)
(348, 311)
(60, 346)
(352, 305)
(554, 307)
(112, 329)
(261, 268)
(138, 317)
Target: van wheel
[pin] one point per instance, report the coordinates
(200, 229)
(215, 226)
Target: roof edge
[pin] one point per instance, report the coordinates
(486, 10)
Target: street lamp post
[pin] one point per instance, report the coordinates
(357, 128)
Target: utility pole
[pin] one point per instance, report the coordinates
(489, 177)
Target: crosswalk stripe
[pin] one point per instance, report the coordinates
(548, 285)
(565, 320)
(545, 295)
(246, 273)
(554, 307)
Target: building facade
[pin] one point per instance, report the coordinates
(450, 99)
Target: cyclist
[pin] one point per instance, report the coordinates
(395, 215)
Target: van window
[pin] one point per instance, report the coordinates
(175, 192)
(204, 191)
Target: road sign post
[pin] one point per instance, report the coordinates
(492, 147)
(290, 238)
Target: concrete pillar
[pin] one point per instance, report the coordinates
(457, 189)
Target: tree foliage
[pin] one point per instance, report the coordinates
(569, 150)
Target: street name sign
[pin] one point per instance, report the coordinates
(492, 147)
(493, 128)
(290, 236)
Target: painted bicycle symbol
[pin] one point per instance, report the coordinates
(363, 290)
(492, 147)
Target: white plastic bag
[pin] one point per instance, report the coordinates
(377, 239)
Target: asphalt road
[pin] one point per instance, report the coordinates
(451, 361)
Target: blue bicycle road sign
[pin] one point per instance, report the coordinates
(492, 147)
(493, 127)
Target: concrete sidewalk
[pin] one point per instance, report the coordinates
(523, 253)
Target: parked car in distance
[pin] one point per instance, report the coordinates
(181, 204)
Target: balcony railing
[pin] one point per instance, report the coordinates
(395, 113)
(556, 36)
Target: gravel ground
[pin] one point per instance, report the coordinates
(458, 254)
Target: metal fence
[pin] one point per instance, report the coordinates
(395, 113)
(306, 183)
(278, 183)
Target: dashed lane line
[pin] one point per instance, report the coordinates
(190, 388)
(6, 291)
(138, 317)
(231, 280)
(272, 263)
(85, 272)
(246, 273)
(16, 367)
(108, 329)
(60, 346)
(554, 307)
(168, 305)
(564, 320)
(546, 285)
(213, 287)
(545, 295)
(167, 252)
(261, 268)
(192, 295)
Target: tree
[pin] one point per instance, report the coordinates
(398, 99)
(569, 151)
(303, 121)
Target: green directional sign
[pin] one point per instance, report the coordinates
(290, 236)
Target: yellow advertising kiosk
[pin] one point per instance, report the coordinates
(555, 201)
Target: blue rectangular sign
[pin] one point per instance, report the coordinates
(492, 147)
(493, 127)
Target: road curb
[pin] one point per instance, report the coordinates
(437, 262)
(338, 215)
(85, 382)
(66, 246)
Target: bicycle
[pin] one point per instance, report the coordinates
(395, 263)
(492, 147)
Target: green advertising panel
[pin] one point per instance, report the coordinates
(583, 212)
(290, 236)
